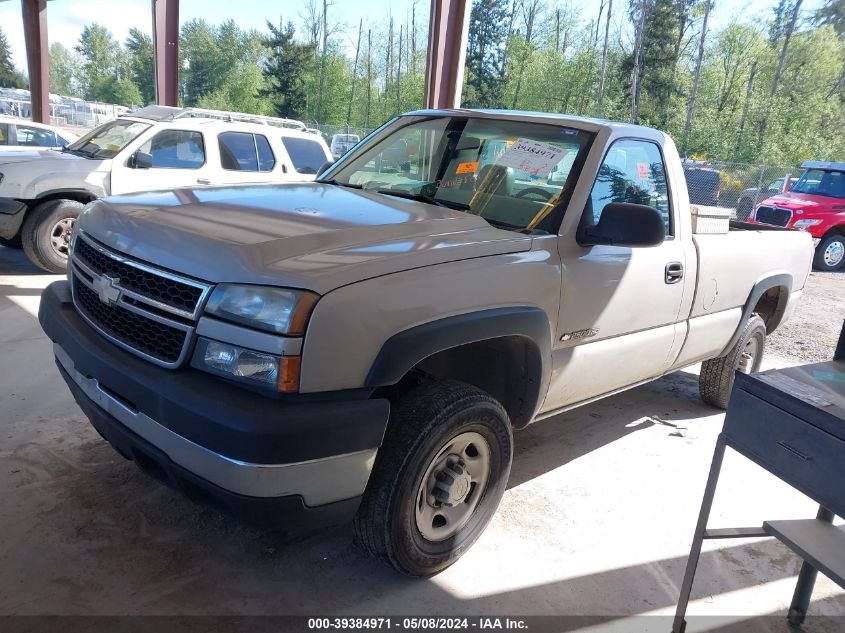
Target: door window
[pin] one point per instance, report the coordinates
(632, 171)
(176, 149)
(35, 137)
(307, 156)
(242, 151)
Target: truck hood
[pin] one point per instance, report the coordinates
(806, 201)
(43, 155)
(302, 235)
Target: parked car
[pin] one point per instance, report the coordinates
(342, 143)
(42, 193)
(703, 184)
(18, 134)
(364, 346)
(816, 204)
(752, 195)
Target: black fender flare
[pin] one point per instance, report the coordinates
(405, 349)
(54, 194)
(783, 280)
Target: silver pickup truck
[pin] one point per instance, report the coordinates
(363, 347)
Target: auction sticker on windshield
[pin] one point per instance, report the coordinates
(533, 157)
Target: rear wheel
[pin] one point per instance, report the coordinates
(830, 253)
(438, 479)
(716, 379)
(47, 231)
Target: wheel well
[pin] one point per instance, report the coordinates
(771, 306)
(79, 196)
(836, 230)
(507, 367)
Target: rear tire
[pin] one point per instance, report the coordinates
(830, 253)
(438, 478)
(46, 233)
(716, 379)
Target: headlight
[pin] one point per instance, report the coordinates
(279, 373)
(805, 224)
(279, 310)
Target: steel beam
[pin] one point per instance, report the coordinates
(34, 14)
(447, 45)
(166, 45)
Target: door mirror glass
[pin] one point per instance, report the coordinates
(141, 160)
(625, 224)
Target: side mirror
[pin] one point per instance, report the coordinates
(140, 160)
(625, 224)
(324, 167)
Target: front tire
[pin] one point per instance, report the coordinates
(46, 233)
(716, 379)
(438, 478)
(830, 253)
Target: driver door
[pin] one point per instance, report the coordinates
(619, 310)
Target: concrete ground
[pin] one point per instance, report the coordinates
(597, 519)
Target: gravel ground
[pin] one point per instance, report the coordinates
(812, 332)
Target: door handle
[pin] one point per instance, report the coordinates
(203, 181)
(674, 272)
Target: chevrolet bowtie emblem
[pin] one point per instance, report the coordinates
(107, 289)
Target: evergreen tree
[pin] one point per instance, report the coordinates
(9, 76)
(488, 31)
(285, 71)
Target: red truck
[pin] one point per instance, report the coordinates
(816, 204)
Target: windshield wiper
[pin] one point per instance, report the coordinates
(449, 204)
(75, 152)
(340, 184)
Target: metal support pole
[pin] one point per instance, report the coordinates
(447, 43)
(34, 13)
(806, 581)
(679, 623)
(166, 45)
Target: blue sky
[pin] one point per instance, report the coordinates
(66, 18)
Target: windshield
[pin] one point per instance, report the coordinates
(108, 139)
(511, 173)
(819, 182)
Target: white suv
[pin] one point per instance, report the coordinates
(157, 147)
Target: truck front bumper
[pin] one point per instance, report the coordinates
(296, 463)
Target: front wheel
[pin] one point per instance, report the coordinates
(830, 253)
(438, 478)
(46, 233)
(716, 379)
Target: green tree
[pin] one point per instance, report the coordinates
(141, 58)
(65, 71)
(488, 31)
(285, 71)
(100, 53)
(9, 76)
(833, 13)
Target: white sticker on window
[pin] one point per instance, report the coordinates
(533, 157)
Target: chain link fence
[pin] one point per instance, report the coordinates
(737, 186)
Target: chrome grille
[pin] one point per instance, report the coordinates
(772, 215)
(145, 310)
